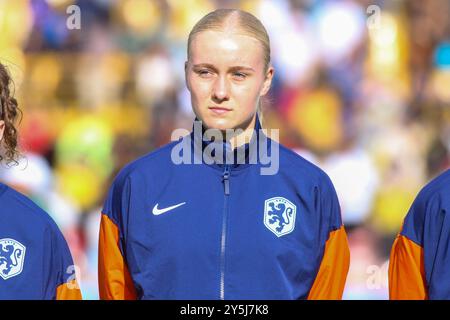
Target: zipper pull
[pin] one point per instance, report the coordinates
(226, 180)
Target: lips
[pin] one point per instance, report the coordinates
(219, 110)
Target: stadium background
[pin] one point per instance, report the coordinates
(362, 89)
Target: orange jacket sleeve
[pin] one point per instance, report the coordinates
(407, 271)
(330, 280)
(114, 279)
(68, 291)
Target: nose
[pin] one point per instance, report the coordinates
(220, 89)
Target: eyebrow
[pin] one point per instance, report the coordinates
(234, 68)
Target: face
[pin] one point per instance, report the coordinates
(226, 78)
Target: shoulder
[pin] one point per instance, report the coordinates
(314, 185)
(295, 165)
(426, 209)
(136, 176)
(22, 209)
(150, 163)
(433, 192)
(436, 188)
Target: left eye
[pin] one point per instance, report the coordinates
(240, 75)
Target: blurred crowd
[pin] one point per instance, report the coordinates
(361, 88)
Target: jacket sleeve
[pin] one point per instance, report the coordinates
(68, 291)
(330, 280)
(418, 262)
(407, 271)
(114, 279)
(63, 284)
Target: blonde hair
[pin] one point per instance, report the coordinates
(235, 19)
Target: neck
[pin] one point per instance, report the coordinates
(243, 136)
(239, 136)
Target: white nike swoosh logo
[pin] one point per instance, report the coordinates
(157, 211)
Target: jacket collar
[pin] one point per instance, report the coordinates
(219, 154)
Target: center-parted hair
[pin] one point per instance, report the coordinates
(236, 21)
(9, 113)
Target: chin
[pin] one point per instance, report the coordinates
(219, 124)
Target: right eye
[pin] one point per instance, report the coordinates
(204, 73)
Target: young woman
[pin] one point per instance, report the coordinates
(35, 261)
(419, 266)
(200, 218)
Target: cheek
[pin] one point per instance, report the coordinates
(247, 96)
(200, 90)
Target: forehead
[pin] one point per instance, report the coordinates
(225, 48)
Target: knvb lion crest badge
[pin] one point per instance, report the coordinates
(279, 215)
(12, 256)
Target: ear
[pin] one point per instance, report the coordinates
(268, 81)
(2, 129)
(186, 75)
